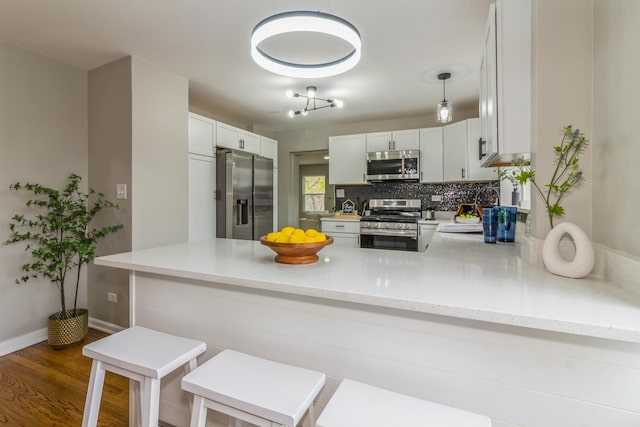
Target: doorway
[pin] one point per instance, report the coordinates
(313, 195)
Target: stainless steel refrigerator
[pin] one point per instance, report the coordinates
(244, 195)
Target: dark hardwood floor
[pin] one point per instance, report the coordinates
(42, 387)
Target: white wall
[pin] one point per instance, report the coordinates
(159, 156)
(43, 138)
(616, 136)
(562, 95)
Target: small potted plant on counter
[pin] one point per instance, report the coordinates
(60, 240)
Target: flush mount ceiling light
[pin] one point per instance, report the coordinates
(312, 102)
(445, 108)
(297, 21)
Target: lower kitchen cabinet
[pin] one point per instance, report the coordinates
(345, 232)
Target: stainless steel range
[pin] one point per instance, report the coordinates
(393, 224)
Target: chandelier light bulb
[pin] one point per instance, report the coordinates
(305, 112)
(290, 94)
(338, 103)
(291, 113)
(311, 92)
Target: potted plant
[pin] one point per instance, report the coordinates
(510, 174)
(566, 176)
(60, 240)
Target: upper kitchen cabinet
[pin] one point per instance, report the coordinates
(431, 167)
(237, 139)
(461, 152)
(393, 141)
(269, 149)
(505, 88)
(202, 135)
(347, 163)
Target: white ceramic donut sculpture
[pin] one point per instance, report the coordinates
(582, 263)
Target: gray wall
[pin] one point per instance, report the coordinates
(43, 138)
(138, 137)
(616, 138)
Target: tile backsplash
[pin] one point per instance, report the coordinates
(452, 194)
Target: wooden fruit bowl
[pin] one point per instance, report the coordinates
(296, 253)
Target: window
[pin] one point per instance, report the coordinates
(313, 188)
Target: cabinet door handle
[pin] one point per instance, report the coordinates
(462, 173)
(339, 226)
(421, 176)
(481, 144)
(364, 177)
(358, 240)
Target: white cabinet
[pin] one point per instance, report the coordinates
(345, 232)
(396, 140)
(505, 76)
(431, 167)
(237, 139)
(474, 161)
(461, 153)
(202, 188)
(347, 161)
(269, 149)
(202, 135)
(454, 141)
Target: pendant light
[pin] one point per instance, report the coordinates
(445, 108)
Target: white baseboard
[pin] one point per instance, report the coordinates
(103, 326)
(31, 338)
(18, 343)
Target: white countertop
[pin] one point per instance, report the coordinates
(459, 276)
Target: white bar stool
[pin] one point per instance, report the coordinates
(143, 355)
(360, 405)
(248, 388)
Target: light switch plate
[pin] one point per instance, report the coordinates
(340, 193)
(436, 198)
(121, 191)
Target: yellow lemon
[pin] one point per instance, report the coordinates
(309, 239)
(298, 232)
(282, 239)
(296, 239)
(271, 237)
(311, 232)
(320, 237)
(287, 230)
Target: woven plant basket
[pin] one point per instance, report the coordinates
(67, 332)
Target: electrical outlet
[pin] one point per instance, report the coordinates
(112, 297)
(436, 198)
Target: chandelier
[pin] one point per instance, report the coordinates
(312, 102)
(308, 21)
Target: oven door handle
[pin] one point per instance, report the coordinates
(394, 233)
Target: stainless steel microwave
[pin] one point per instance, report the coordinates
(393, 166)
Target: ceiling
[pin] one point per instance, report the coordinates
(405, 44)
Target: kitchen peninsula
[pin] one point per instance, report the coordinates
(464, 324)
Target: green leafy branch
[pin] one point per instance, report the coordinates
(59, 236)
(566, 175)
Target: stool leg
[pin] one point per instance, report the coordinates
(150, 402)
(94, 394)
(312, 416)
(193, 364)
(199, 414)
